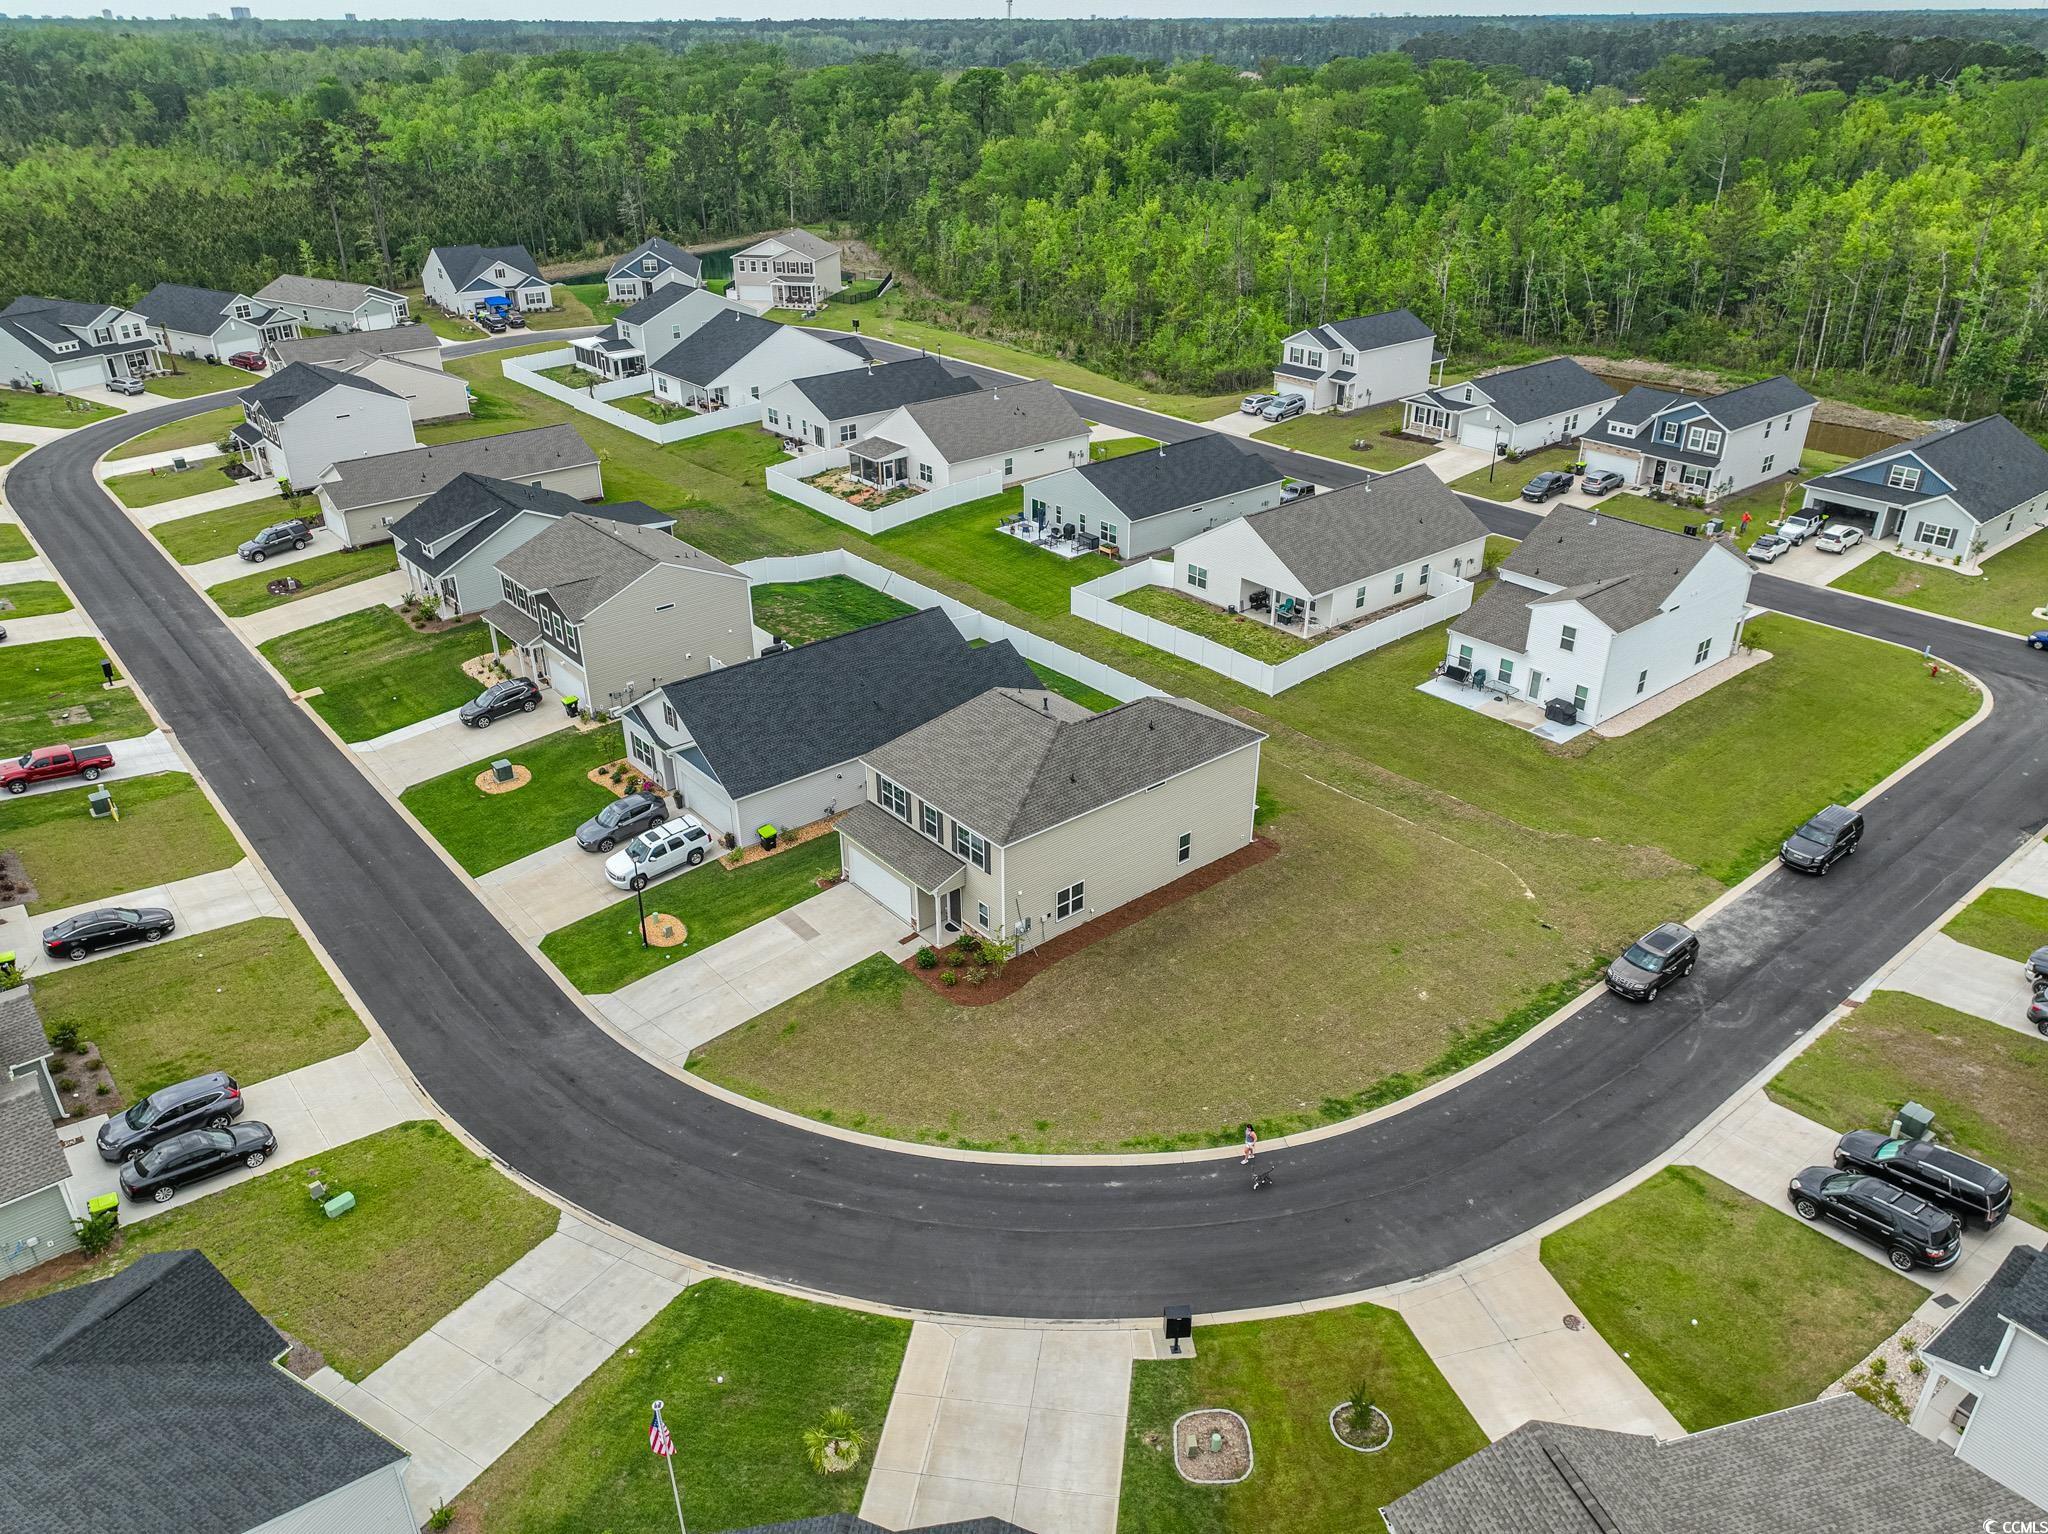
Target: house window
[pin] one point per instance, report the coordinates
(1198, 577)
(1186, 849)
(1465, 656)
(1903, 476)
(1694, 477)
(848, 433)
(1400, 578)
(1699, 656)
(1350, 360)
(1009, 467)
(1769, 459)
(774, 419)
(981, 915)
(931, 822)
(1422, 580)
(1642, 681)
(1579, 699)
(1935, 536)
(1620, 430)
(1568, 638)
(1068, 901)
(1294, 355)
(1767, 431)
(924, 472)
(1571, 422)
(1107, 533)
(1315, 359)
(894, 797)
(970, 847)
(1358, 599)
(1702, 440)
(668, 716)
(1507, 672)
(1668, 432)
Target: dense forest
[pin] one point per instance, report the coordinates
(1837, 204)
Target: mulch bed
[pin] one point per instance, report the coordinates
(1020, 971)
(1231, 1464)
(424, 625)
(88, 1074)
(16, 887)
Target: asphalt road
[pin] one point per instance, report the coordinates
(520, 1066)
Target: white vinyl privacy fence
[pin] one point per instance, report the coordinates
(787, 480)
(527, 371)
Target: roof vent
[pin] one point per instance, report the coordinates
(1045, 705)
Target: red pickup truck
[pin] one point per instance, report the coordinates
(46, 762)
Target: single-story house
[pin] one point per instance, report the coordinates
(36, 1203)
(1513, 411)
(1011, 433)
(607, 611)
(1601, 614)
(833, 409)
(430, 393)
(650, 327)
(1323, 561)
(778, 741)
(790, 270)
(410, 343)
(211, 326)
(1836, 1463)
(362, 497)
(1140, 503)
(158, 1396)
(1357, 363)
(737, 357)
(1988, 1377)
(651, 264)
(25, 1049)
(464, 278)
(301, 420)
(1712, 447)
(326, 304)
(1021, 815)
(67, 346)
(450, 544)
(1966, 489)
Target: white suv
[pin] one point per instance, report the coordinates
(678, 843)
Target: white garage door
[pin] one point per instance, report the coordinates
(1612, 463)
(891, 892)
(1476, 434)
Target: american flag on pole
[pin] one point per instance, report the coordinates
(658, 1438)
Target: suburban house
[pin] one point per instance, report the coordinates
(1021, 815)
(66, 346)
(362, 497)
(1513, 411)
(1597, 614)
(410, 343)
(211, 326)
(1836, 1463)
(326, 304)
(159, 1395)
(833, 409)
(450, 544)
(1010, 433)
(777, 741)
(737, 357)
(36, 1205)
(650, 327)
(1656, 439)
(650, 265)
(1140, 503)
(1962, 490)
(1986, 1395)
(791, 270)
(430, 394)
(299, 421)
(606, 611)
(1352, 364)
(465, 278)
(25, 1049)
(1346, 556)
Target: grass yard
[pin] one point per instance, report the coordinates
(1987, 1085)
(484, 831)
(648, 408)
(602, 952)
(2003, 597)
(1247, 636)
(1725, 1307)
(249, 999)
(1331, 435)
(1075, 692)
(1508, 477)
(247, 594)
(194, 431)
(1769, 502)
(167, 830)
(194, 378)
(9, 451)
(149, 487)
(14, 544)
(1283, 1376)
(215, 534)
(432, 1225)
(2008, 922)
(594, 296)
(27, 408)
(1118, 447)
(740, 1456)
(963, 543)
(376, 672)
(33, 599)
(42, 680)
(568, 375)
(802, 612)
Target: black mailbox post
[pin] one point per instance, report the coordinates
(1180, 1323)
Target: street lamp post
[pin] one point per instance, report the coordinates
(640, 905)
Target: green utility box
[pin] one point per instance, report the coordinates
(1914, 1123)
(339, 1205)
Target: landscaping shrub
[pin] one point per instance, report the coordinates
(97, 1232)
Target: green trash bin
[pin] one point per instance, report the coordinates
(102, 1203)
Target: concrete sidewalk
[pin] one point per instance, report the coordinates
(426, 748)
(197, 905)
(257, 628)
(29, 569)
(65, 625)
(137, 757)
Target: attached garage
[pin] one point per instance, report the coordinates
(1625, 464)
(887, 890)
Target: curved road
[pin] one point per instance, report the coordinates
(521, 1067)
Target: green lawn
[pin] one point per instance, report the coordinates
(27, 408)
(1674, 518)
(33, 599)
(1246, 635)
(432, 1225)
(9, 451)
(1987, 1085)
(963, 543)
(193, 378)
(602, 952)
(2014, 583)
(1768, 503)
(484, 831)
(376, 673)
(802, 612)
(247, 594)
(1283, 1376)
(744, 1373)
(1725, 1307)
(1332, 435)
(194, 431)
(569, 375)
(249, 999)
(1508, 477)
(493, 410)
(2008, 922)
(648, 408)
(152, 487)
(571, 312)
(1075, 692)
(593, 296)
(40, 680)
(14, 544)
(215, 534)
(1118, 447)
(166, 830)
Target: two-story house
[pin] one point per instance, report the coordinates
(211, 326)
(651, 265)
(362, 499)
(465, 278)
(791, 270)
(66, 346)
(1513, 411)
(1007, 434)
(648, 328)
(833, 409)
(1960, 491)
(1139, 503)
(606, 611)
(735, 358)
(1986, 1394)
(322, 303)
(1356, 363)
(1598, 614)
(1021, 815)
(1656, 439)
(431, 393)
(303, 419)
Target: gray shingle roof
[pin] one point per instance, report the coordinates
(1755, 402)
(508, 620)
(584, 561)
(918, 858)
(1296, 370)
(476, 506)
(464, 262)
(873, 448)
(1330, 540)
(648, 308)
(1177, 474)
(1540, 389)
(704, 355)
(42, 324)
(999, 420)
(1634, 408)
(1992, 464)
(1569, 550)
(779, 717)
(1499, 617)
(153, 1391)
(30, 1157)
(863, 391)
(628, 265)
(193, 311)
(419, 471)
(2018, 1291)
(290, 388)
(1370, 331)
(345, 346)
(1014, 762)
(321, 292)
(21, 1030)
(801, 240)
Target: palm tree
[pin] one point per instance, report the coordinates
(836, 1444)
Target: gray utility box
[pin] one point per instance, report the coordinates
(501, 769)
(100, 802)
(1914, 1123)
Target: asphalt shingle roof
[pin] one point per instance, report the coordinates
(289, 388)
(1758, 401)
(650, 307)
(1330, 540)
(476, 506)
(321, 292)
(419, 471)
(918, 858)
(151, 1395)
(847, 1523)
(1538, 390)
(345, 346)
(1499, 617)
(463, 262)
(1177, 474)
(42, 324)
(1370, 331)
(1633, 408)
(582, 562)
(30, 1157)
(704, 355)
(999, 420)
(1990, 462)
(2018, 1291)
(21, 1029)
(628, 265)
(863, 391)
(800, 240)
(1621, 572)
(193, 311)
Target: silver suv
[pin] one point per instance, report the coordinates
(679, 843)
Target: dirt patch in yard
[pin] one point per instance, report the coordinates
(16, 887)
(58, 1273)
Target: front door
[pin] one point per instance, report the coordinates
(951, 907)
(537, 663)
(1536, 685)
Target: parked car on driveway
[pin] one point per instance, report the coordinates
(126, 385)
(1295, 489)
(251, 362)
(2037, 968)
(679, 843)
(1913, 1233)
(1767, 548)
(278, 538)
(1799, 527)
(1285, 407)
(90, 931)
(1839, 539)
(1601, 482)
(2037, 1014)
(156, 1175)
(48, 762)
(1546, 485)
(1653, 961)
(519, 695)
(1966, 1188)
(211, 1101)
(489, 321)
(621, 821)
(1823, 841)
(1254, 403)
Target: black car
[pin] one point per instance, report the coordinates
(1545, 485)
(90, 931)
(621, 822)
(1968, 1189)
(520, 695)
(158, 1173)
(1823, 841)
(1653, 961)
(276, 539)
(2037, 968)
(1913, 1233)
(489, 321)
(205, 1102)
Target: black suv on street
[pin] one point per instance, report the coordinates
(621, 822)
(204, 1102)
(1913, 1233)
(1653, 961)
(521, 695)
(1968, 1189)
(276, 539)
(1823, 841)
(161, 1171)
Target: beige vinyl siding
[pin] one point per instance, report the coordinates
(629, 643)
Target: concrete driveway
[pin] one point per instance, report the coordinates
(426, 748)
(258, 628)
(552, 888)
(1807, 564)
(211, 572)
(137, 757)
(241, 492)
(1986, 985)
(199, 904)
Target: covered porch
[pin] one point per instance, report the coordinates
(1428, 415)
(878, 462)
(252, 449)
(910, 876)
(1289, 611)
(531, 655)
(609, 356)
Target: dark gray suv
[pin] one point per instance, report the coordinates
(621, 822)
(1823, 841)
(1653, 961)
(278, 538)
(204, 1102)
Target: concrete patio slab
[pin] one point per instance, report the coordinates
(1985, 985)
(197, 905)
(257, 628)
(136, 757)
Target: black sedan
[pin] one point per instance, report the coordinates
(90, 931)
(1546, 485)
(159, 1173)
(520, 695)
(1959, 1184)
(1913, 1233)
